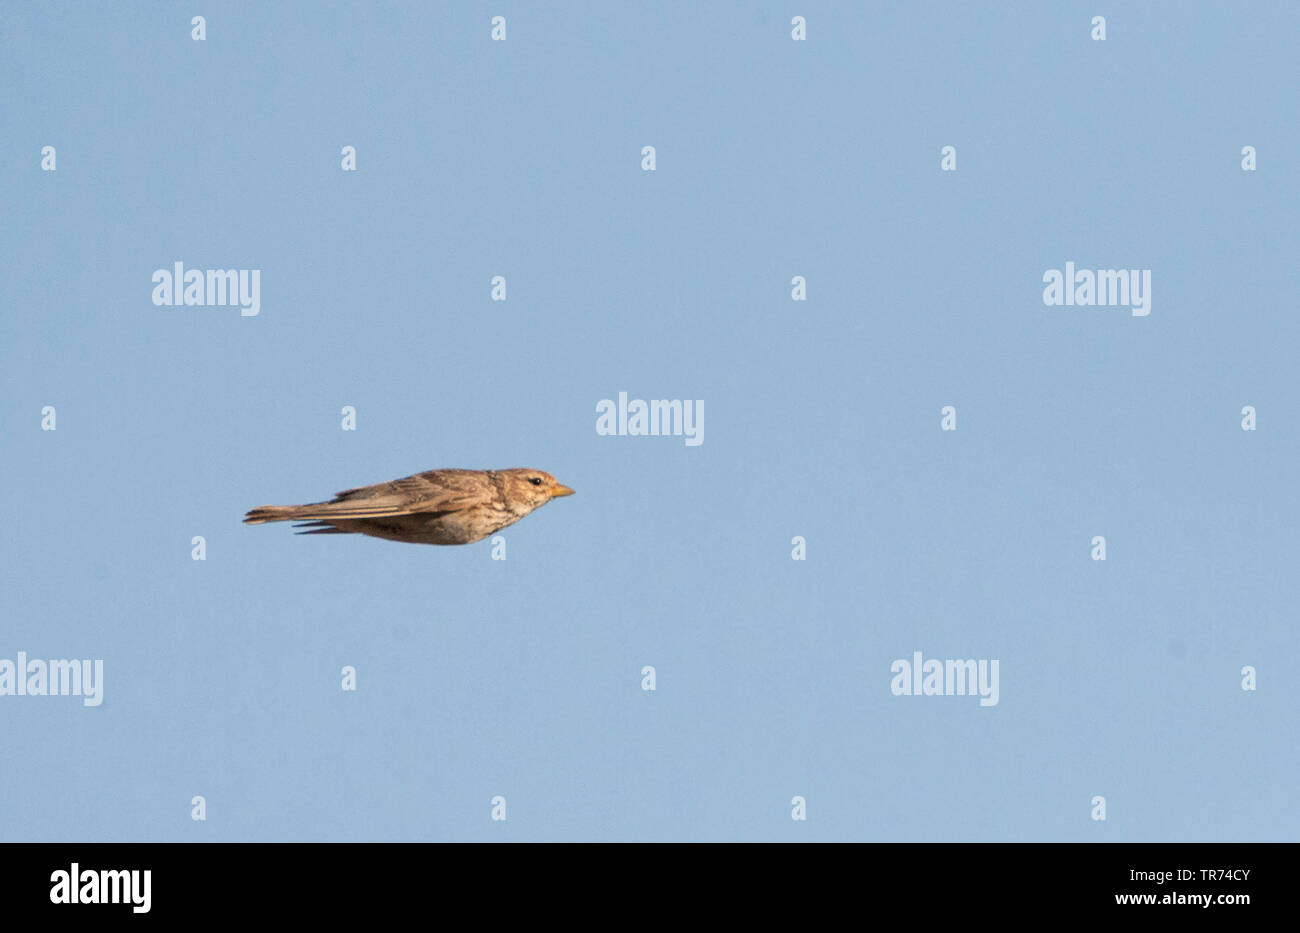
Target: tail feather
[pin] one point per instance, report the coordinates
(327, 511)
(285, 513)
(270, 513)
(321, 528)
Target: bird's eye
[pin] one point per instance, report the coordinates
(535, 480)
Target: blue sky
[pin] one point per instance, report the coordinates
(775, 158)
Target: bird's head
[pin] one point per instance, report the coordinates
(532, 488)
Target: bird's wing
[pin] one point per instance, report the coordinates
(433, 491)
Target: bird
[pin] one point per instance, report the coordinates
(435, 507)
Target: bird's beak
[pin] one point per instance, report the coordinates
(560, 490)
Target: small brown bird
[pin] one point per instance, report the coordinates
(436, 507)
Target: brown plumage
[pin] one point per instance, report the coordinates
(436, 507)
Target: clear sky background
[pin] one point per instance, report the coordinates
(775, 158)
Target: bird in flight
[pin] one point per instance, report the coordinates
(435, 507)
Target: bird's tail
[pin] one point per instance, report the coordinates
(285, 513)
(318, 511)
(272, 513)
